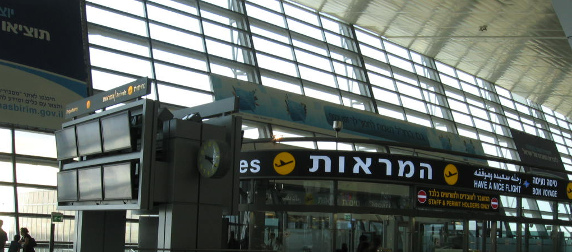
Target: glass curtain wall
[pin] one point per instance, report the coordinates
(28, 169)
(283, 45)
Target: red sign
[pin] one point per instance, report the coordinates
(421, 196)
(494, 203)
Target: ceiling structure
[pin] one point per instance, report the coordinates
(519, 45)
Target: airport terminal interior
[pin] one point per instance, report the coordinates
(338, 98)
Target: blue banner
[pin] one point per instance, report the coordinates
(42, 63)
(274, 103)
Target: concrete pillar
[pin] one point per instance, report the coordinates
(148, 233)
(100, 231)
(177, 226)
(494, 236)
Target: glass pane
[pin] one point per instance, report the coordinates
(129, 6)
(224, 33)
(281, 132)
(372, 195)
(306, 29)
(295, 192)
(173, 18)
(183, 77)
(368, 38)
(278, 35)
(7, 200)
(382, 81)
(395, 49)
(119, 62)
(442, 235)
(301, 14)
(254, 130)
(386, 96)
(445, 68)
(106, 81)
(318, 94)
(9, 227)
(308, 232)
(317, 76)
(413, 104)
(409, 90)
(228, 51)
(271, 47)
(6, 171)
(183, 58)
(278, 65)
(178, 6)
(310, 45)
(352, 86)
(393, 113)
(132, 233)
(116, 21)
(265, 15)
(282, 85)
(40, 174)
(313, 60)
(334, 26)
(119, 44)
(35, 200)
(35, 144)
(178, 38)
(340, 41)
(65, 231)
(182, 97)
(270, 4)
(6, 143)
(39, 227)
(418, 119)
(401, 63)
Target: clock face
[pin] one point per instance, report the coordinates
(209, 159)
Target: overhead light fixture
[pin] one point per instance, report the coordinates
(277, 138)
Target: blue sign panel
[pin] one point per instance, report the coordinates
(42, 63)
(277, 104)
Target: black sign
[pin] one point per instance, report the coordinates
(440, 198)
(310, 164)
(537, 151)
(108, 98)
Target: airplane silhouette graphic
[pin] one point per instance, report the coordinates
(450, 174)
(282, 163)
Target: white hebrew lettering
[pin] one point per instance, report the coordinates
(402, 166)
(342, 164)
(363, 165)
(44, 34)
(6, 12)
(429, 169)
(316, 163)
(29, 31)
(387, 166)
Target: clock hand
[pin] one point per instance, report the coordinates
(210, 159)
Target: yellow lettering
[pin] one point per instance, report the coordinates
(69, 111)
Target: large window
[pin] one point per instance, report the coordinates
(28, 185)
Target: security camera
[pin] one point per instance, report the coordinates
(338, 125)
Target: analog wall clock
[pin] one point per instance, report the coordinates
(211, 159)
